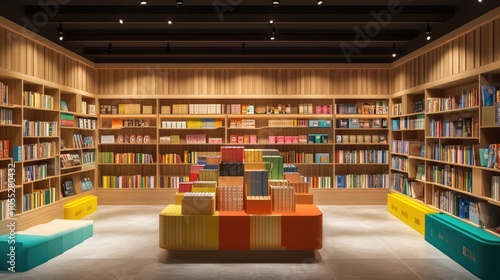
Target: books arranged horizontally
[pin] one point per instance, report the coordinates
(231, 169)
(193, 123)
(69, 160)
(133, 181)
(352, 139)
(39, 150)
(39, 198)
(452, 202)
(131, 139)
(4, 94)
(67, 120)
(198, 203)
(361, 156)
(80, 141)
(399, 163)
(68, 188)
(451, 176)
(136, 158)
(5, 116)
(88, 157)
(87, 123)
(490, 95)
(39, 128)
(171, 139)
(230, 198)
(86, 184)
(459, 154)
(408, 122)
(379, 107)
(468, 98)
(283, 198)
(241, 123)
(243, 139)
(118, 123)
(495, 187)
(35, 172)
(408, 147)
(362, 123)
(172, 182)
(364, 181)
(38, 100)
(458, 127)
(4, 148)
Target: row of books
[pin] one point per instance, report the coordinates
(396, 109)
(361, 181)
(39, 150)
(408, 122)
(490, 95)
(39, 128)
(243, 139)
(367, 138)
(111, 157)
(208, 174)
(132, 181)
(170, 158)
(198, 157)
(408, 147)
(7, 207)
(196, 138)
(35, 172)
(401, 184)
(120, 123)
(461, 127)
(495, 188)
(362, 123)
(318, 182)
(87, 108)
(86, 184)
(80, 141)
(38, 100)
(242, 123)
(283, 198)
(230, 198)
(231, 169)
(459, 154)
(4, 94)
(361, 156)
(172, 182)
(87, 123)
(67, 120)
(493, 160)
(256, 182)
(379, 107)
(5, 116)
(468, 98)
(452, 202)
(400, 163)
(451, 176)
(69, 160)
(39, 198)
(4, 148)
(88, 157)
(4, 178)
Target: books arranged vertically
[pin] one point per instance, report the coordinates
(39, 198)
(195, 123)
(361, 156)
(135, 158)
(283, 198)
(128, 181)
(80, 141)
(364, 181)
(39, 151)
(88, 157)
(408, 147)
(455, 127)
(401, 184)
(35, 172)
(38, 100)
(86, 184)
(4, 94)
(68, 188)
(69, 160)
(468, 98)
(495, 188)
(451, 176)
(408, 122)
(87, 123)
(399, 163)
(489, 95)
(230, 198)
(39, 128)
(452, 202)
(4, 148)
(459, 154)
(4, 178)
(172, 182)
(378, 107)
(5, 116)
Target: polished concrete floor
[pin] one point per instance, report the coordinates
(360, 242)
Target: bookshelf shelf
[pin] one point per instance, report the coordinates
(399, 170)
(127, 116)
(40, 159)
(455, 111)
(11, 125)
(361, 116)
(451, 163)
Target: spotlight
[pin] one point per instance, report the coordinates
(60, 32)
(180, 3)
(271, 21)
(276, 3)
(120, 21)
(273, 36)
(479, 1)
(320, 2)
(144, 2)
(394, 52)
(169, 22)
(428, 32)
(110, 48)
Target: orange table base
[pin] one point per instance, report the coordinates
(238, 230)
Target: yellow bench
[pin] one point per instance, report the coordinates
(80, 208)
(409, 211)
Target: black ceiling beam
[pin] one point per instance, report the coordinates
(103, 14)
(243, 59)
(196, 36)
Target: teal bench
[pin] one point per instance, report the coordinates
(43, 242)
(473, 248)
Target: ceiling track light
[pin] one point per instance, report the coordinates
(60, 32)
(273, 35)
(394, 51)
(276, 3)
(320, 2)
(179, 3)
(428, 32)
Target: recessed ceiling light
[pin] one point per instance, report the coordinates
(144, 2)
(169, 22)
(271, 21)
(180, 3)
(320, 2)
(120, 21)
(276, 3)
(60, 32)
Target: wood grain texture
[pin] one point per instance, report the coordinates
(350, 196)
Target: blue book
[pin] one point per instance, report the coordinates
(488, 95)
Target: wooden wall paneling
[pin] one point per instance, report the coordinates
(23, 59)
(449, 59)
(486, 43)
(30, 52)
(9, 50)
(496, 40)
(161, 82)
(456, 56)
(462, 54)
(3, 47)
(469, 50)
(421, 70)
(39, 61)
(477, 48)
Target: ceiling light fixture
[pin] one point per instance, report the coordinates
(60, 32)
(180, 3)
(320, 2)
(428, 32)
(271, 21)
(479, 1)
(144, 2)
(120, 21)
(273, 35)
(276, 3)
(394, 52)
(169, 22)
